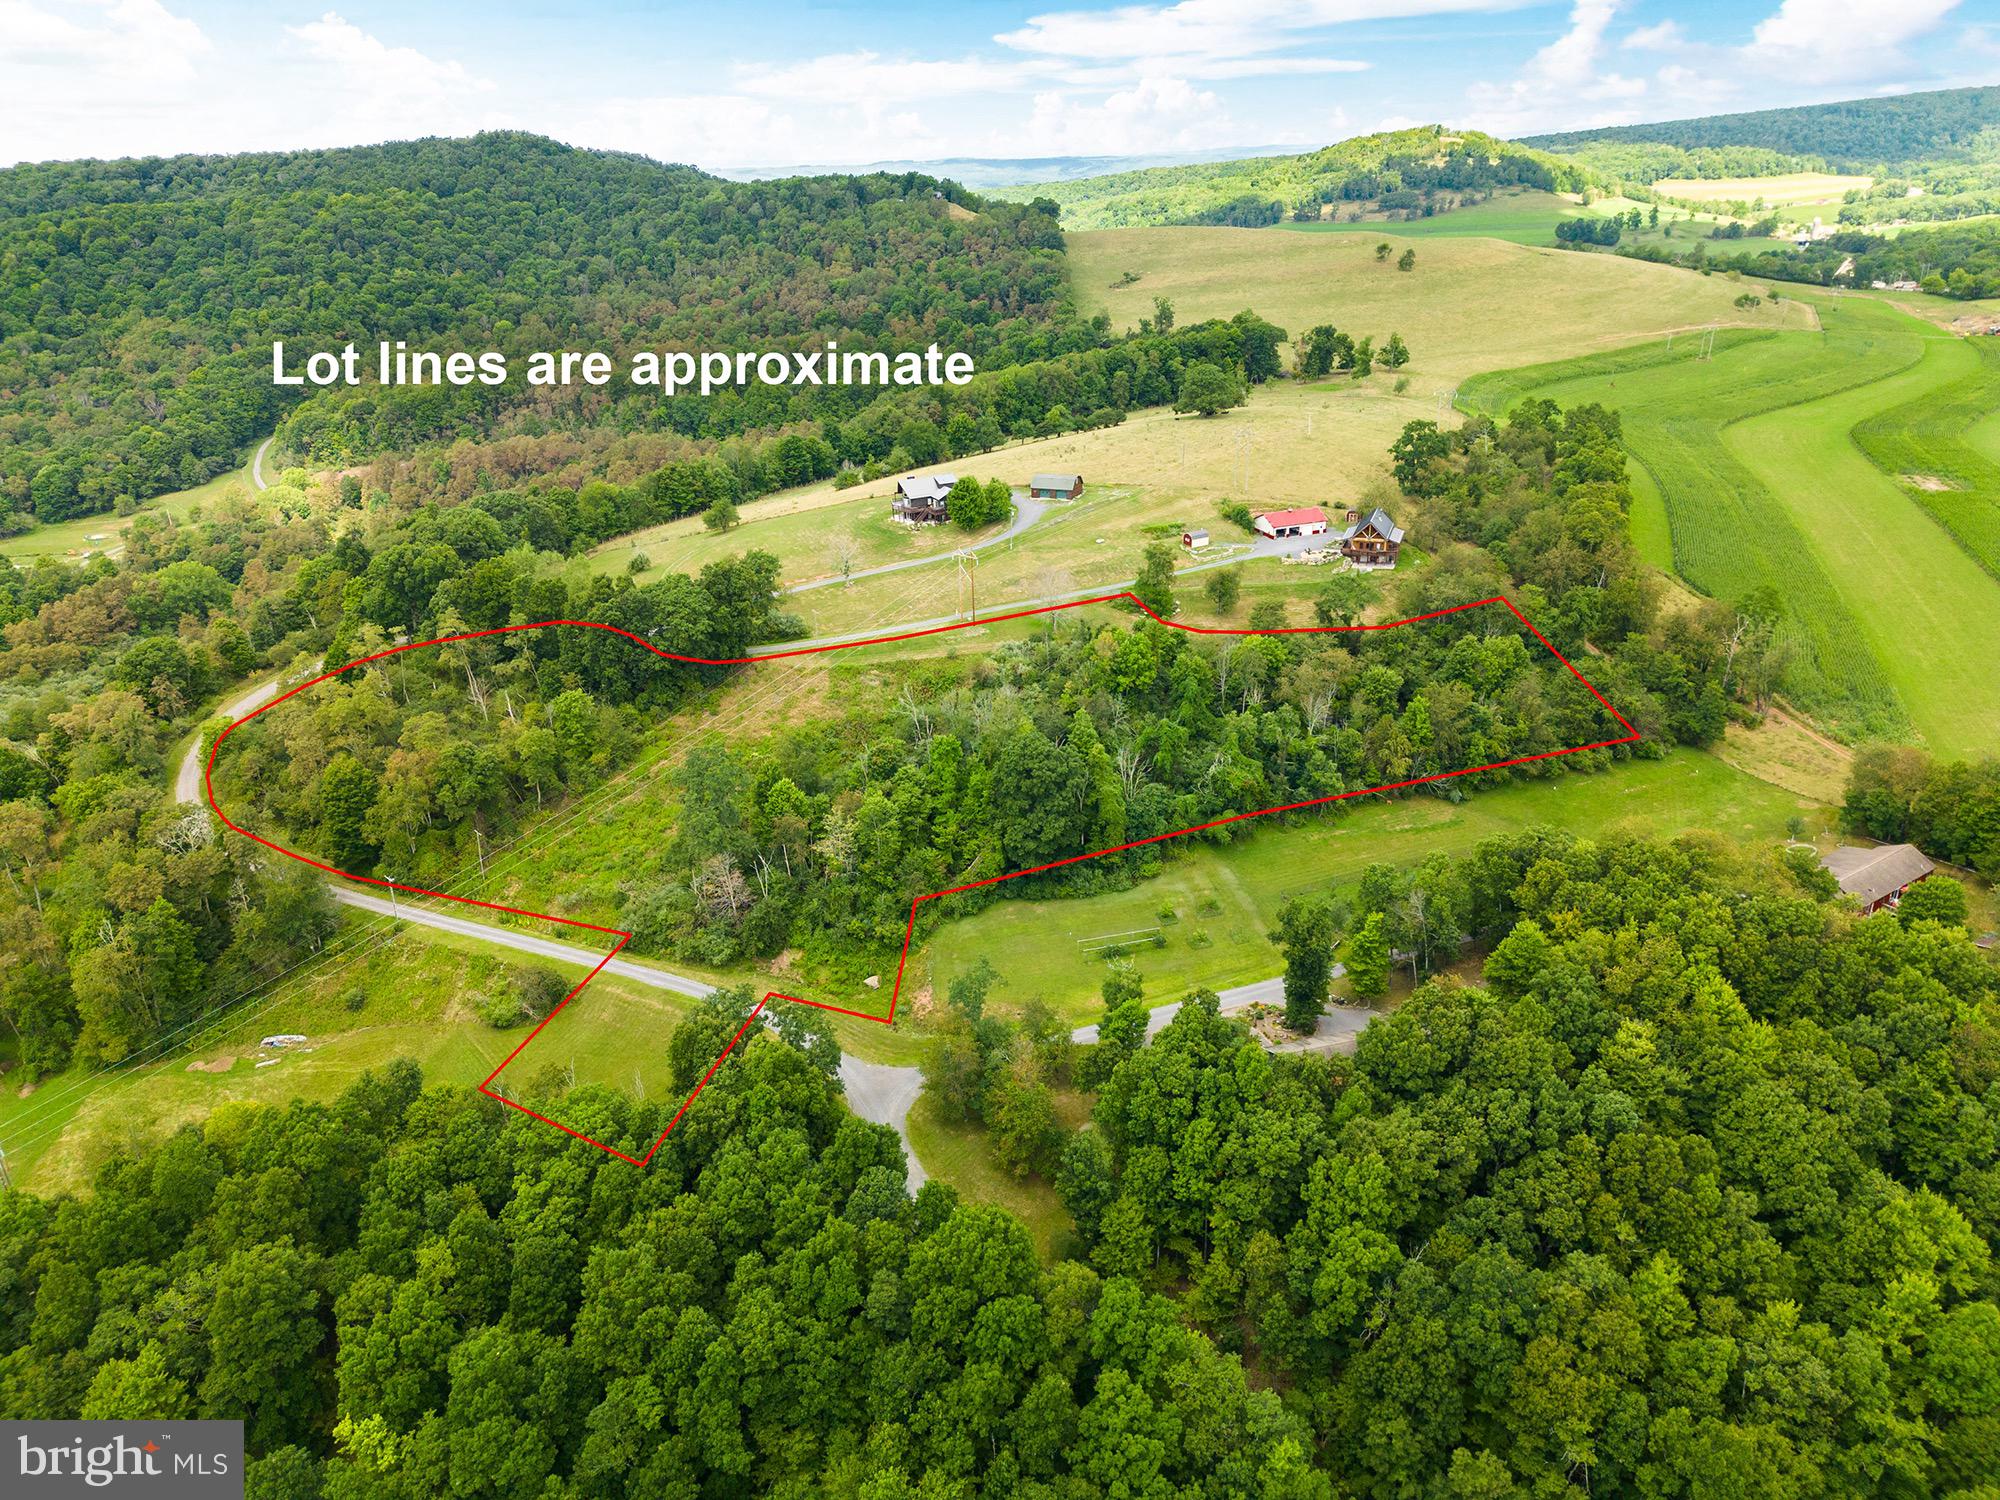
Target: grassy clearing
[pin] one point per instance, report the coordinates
(1789, 190)
(1943, 445)
(1527, 218)
(416, 990)
(809, 542)
(962, 1155)
(1222, 894)
(1531, 304)
(1730, 533)
(1093, 544)
(87, 536)
(1789, 754)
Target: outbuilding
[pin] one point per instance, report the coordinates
(1055, 486)
(1308, 520)
(1194, 540)
(1877, 877)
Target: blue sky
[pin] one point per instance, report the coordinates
(760, 82)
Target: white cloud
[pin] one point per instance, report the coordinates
(384, 91)
(1840, 41)
(1153, 114)
(839, 77)
(1664, 36)
(1567, 80)
(72, 71)
(1208, 29)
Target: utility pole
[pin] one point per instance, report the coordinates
(968, 577)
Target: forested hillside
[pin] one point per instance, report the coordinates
(1932, 156)
(1851, 134)
(141, 297)
(1412, 172)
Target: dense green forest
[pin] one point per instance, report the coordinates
(1695, 1195)
(1851, 134)
(1413, 172)
(141, 297)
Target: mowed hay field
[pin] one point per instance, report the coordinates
(1755, 461)
(1468, 305)
(1943, 445)
(1930, 613)
(1788, 190)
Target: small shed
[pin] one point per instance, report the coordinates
(1055, 486)
(1877, 877)
(1194, 539)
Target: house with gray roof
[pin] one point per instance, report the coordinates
(1878, 876)
(1371, 541)
(920, 498)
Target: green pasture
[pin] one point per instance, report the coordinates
(1215, 896)
(416, 989)
(78, 540)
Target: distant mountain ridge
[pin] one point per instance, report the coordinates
(1009, 171)
(1402, 171)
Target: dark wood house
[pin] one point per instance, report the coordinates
(921, 498)
(1370, 541)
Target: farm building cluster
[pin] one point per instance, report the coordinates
(1368, 542)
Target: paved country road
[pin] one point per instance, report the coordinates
(187, 784)
(875, 1091)
(257, 462)
(1338, 1024)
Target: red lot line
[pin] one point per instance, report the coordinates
(909, 932)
